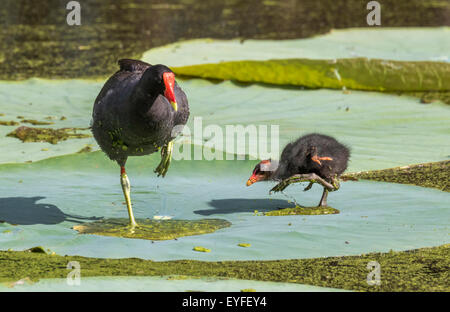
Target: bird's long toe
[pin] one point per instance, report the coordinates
(163, 167)
(308, 187)
(279, 187)
(166, 159)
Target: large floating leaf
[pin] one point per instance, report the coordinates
(382, 130)
(358, 73)
(158, 284)
(401, 44)
(423, 44)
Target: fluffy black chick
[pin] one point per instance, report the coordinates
(313, 157)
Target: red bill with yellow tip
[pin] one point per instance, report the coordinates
(169, 93)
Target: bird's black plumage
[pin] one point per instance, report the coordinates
(135, 114)
(298, 157)
(131, 116)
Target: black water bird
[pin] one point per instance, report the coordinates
(139, 111)
(316, 158)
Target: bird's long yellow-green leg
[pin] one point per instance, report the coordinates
(126, 192)
(166, 158)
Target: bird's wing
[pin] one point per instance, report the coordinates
(132, 65)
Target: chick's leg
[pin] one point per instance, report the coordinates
(323, 200)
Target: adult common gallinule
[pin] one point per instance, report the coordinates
(135, 114)
(314, 157)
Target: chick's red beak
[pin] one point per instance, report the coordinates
(252, 180)
(169, 93)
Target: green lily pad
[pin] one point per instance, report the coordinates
(158, 284)
(423, 44)
(151, 229)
